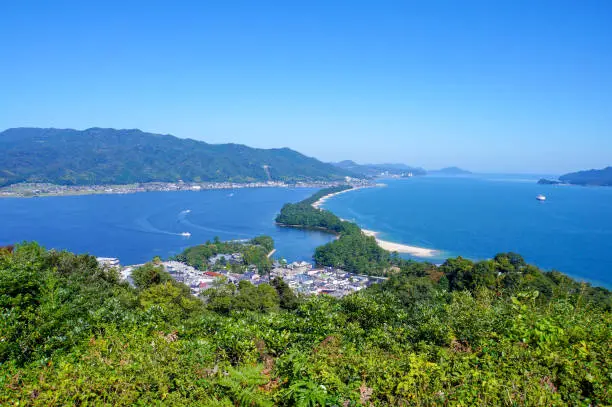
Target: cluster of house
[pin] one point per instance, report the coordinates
(300, 276)
(222, 259)
(42, 189)
(195, 279)
(303, 278)
(26, 189)
(108, 261)
(198, 280)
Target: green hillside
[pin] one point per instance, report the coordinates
(109, 156)
(601, 177)
(491, 333)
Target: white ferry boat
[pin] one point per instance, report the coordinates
(541, 197)
(186, 234)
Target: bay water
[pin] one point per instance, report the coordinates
(474, 217)
(137, 227)
(479, 216)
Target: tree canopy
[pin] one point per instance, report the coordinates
(353, 251)
(72, 333)
(254, 252)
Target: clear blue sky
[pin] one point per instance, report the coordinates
(492, 85)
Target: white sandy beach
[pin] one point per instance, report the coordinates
(322, 200)
(390, 246)
(401, 248)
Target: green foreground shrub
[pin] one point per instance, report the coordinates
(72, 334)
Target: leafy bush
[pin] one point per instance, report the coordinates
(72, 334)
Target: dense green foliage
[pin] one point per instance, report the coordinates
(226, 297)
(601, 177)
(357, 253)
(461, 334)
(255, 252)
(353, 251)
(109, 156)
(148, 275)
(304, 215)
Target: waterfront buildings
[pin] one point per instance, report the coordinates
(302, 277)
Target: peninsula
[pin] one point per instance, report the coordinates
(354, 250)
(384, 244)
(601, 178)
(320, 201)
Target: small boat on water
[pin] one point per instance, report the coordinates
(186, 234)
(541, 197)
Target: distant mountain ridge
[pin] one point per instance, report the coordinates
(601, 177)
(451, 171)
(111, 156)
(374, 170)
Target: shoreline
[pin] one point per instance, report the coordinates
(400, 247)
(323, 199)
(54, 190)
(415, 251)
(313, 228)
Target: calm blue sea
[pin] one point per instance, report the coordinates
(479, 216)
(475, 217)
(137, 227)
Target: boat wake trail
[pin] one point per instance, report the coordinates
(186, 222)
(145, 226)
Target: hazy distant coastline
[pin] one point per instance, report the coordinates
(597, 178)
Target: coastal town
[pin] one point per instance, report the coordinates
(301, 276)
(24, 190)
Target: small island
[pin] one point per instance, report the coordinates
(544, 181)
(451, 171)
(355, 250)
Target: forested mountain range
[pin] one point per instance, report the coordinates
(601, 177)
(110, 156)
